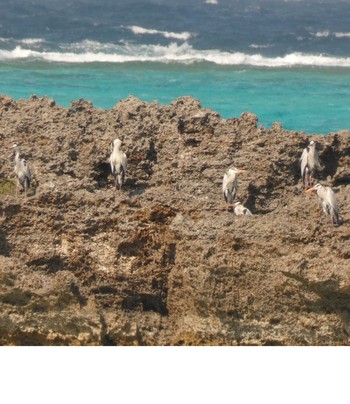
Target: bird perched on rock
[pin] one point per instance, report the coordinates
(229, 183)
(22, 170)
(328, 201)
(118, 161)
(239, 210)
(309, 163)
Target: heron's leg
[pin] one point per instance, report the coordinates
(335, 219)
(311, 181)
(25, 189)
(306, 181)
(18, 188)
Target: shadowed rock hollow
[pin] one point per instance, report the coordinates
(164, 261)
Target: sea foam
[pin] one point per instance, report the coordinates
(342, 34)
(184, 36)
(326, 34)
(24, 41)
(321, 34)
(91, 51)
(32, 41)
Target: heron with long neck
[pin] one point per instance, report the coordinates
(118, 161)
(328, 201)
(309, 163)
(22, 170)
(230, 183)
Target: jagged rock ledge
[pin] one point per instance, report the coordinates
(164, 262)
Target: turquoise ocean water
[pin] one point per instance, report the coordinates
(310, 100)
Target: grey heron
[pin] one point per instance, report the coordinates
(229, 183)
(309, 163)
(118, 161)
(239, 210)
(22, 170)
(328, 201)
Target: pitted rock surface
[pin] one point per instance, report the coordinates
(164, 261)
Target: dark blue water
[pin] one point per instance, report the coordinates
(286, 61)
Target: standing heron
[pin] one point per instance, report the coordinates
(229, 183)
(328, 201)
(239, 210)
(118, 161)
(22, 170)
(309, 163)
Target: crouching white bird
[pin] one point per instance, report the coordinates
(328, 201)
(119, 162)
(230, 183)
(239, 210)
(309, 163)
(22, 170)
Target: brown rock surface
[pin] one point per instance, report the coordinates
(164, 261)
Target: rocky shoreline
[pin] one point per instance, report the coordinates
(164, 262)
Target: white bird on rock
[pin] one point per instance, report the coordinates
(229, 183)
(119, 162)
(328, 201)
(22, 170)
(240, 210)
(309, 163)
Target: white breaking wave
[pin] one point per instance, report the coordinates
(342, 34)
(321, 34)
(211, 2)
(184, 36)
(88, 45)
(256, 46)
(24, 41)
(326, 34)
(90, 51)
(32, 41)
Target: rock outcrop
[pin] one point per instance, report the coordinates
(164, 261)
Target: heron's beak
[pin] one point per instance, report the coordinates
(241, 171)
(309, 191)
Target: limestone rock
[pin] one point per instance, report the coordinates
(164, 261)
